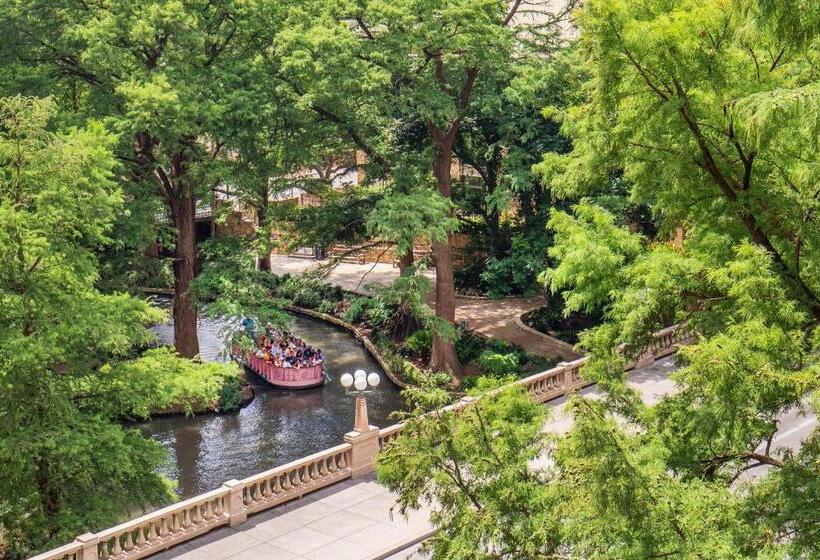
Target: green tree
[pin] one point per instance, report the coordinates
(474, 466)
(420, 58)
(709, 111)
(66, 467)
(173, 79)
(711, 117)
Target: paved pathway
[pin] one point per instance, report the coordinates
(351, 520)
(493, 318)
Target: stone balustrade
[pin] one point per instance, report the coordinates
(295, 479)
(236, 499)
(229, 505)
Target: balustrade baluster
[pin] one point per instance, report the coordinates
(116, 550)
(246, 496)
(219, 508)
(207, 510)
(195, 515)
(102, 551)
(140, 537)
(277, 486)
(163, 527)
(175, 526)
(129, 541)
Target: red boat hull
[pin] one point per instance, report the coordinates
(283, 377)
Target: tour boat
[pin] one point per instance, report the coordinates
(281, 377)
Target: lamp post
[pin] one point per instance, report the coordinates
(360, 384)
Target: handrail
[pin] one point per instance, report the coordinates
(236, 499)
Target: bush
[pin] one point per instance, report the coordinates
(550, 319)
(420, 343)
(469, 345)
(499, 365)
(162, 381)
(517, 273)
(326, 306)
(357, 310)
(230, 395)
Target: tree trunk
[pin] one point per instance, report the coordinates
(263, 255)
(444, 357)
(405, 262)
(183, 211)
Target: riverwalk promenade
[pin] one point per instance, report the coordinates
(355, 519)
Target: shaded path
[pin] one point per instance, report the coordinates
(493, 318)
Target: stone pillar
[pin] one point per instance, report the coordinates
(567, 376)
(365, 447)
(235, 503)
(90, 550)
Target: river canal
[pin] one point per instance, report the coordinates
(277, 426)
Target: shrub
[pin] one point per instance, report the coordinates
(499, 365)
(357, 310)
(550, 319)
(326, 306)
(162, 381)
(230, 395)
(517, 273)
(469, 345)
(420, 343)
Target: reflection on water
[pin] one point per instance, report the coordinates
(278, 426)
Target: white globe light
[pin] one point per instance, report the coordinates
(360, 383)
(347, 380)
(373, 379)
(359, 373)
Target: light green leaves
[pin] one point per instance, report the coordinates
(402, 218)
(589, 251)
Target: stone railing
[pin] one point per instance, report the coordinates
(229, 505)
(236, 499)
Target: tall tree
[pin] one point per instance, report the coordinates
(170, 76)
(419, 58)
(67, 465)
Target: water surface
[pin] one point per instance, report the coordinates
(278, 426)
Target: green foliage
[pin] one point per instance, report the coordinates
(516, 273)
(553, 320)
(326, 306)
(707, 110)
(59, 337)
(474, 466)
(420, 343)
(498, 365)
(589, 250)
(160, 381)
(355, 313)
(469, 345)
(403, 218)
(230, 394)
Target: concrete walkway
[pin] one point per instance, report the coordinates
(493, 318)
(351, 520)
